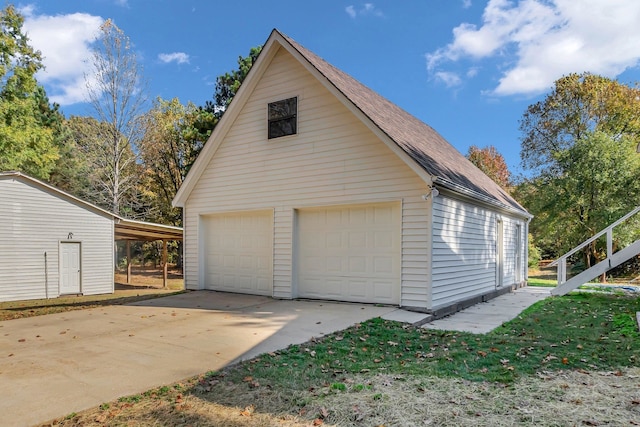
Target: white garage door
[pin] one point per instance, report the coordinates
(239, 252)
(350, 253)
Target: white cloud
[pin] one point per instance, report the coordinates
(535, 42)
(472, 72)
(178, 57)
(466, 4)
(64, 41)
(448, 78)
(365, 9)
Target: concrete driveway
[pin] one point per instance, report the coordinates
(53, 365)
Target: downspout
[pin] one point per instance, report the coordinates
(526, 250)
(46, 277)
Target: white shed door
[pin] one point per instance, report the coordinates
(69, 268)
(239, 252)
(350, 253)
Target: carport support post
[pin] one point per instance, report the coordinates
(164, 264)
(128, 262)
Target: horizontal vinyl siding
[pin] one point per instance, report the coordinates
(282, 252)
(32, 223)
(333, 160)
(464, 251)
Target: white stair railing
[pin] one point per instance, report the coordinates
(561, 262)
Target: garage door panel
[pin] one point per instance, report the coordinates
(239, 252)
(357, 288)
(332, 240)
(357, 239)
(383, 265)
(358, 265)
(383, 239)
(350, 253)
(381, 290)
(357, 216)
(332, 264)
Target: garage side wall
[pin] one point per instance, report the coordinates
(333, 160)
(464, 251)
(465, 259)
(33, 222)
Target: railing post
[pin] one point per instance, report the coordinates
(562, 271)
(609, 242)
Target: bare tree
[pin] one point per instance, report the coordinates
(117, 94)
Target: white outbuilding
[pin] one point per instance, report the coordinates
(52, 243)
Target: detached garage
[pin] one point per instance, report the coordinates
(52, 243)
(314, 186)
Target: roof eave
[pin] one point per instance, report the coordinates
(51, 189)
(481, 198)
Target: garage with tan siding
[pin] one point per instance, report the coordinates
(353, 184)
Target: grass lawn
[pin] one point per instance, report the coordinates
(546, 278)
(545, 283)
(571, 360)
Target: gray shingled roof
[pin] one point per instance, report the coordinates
(419, 140)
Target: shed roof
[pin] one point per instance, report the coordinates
(418, 141)
(124, 229)
(128, 229)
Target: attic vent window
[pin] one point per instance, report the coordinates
(283, 118)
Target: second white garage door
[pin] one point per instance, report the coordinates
(238, 253)
(350, 253)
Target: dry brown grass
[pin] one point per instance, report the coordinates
(148, 277)
(145, 284)
(548, 273)
(549, 399)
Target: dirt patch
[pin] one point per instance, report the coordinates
(567, 398)
(543, 272)
(147, 277)
(30, 308)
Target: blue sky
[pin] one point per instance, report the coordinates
(468, 68)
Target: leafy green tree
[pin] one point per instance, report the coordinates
(227, 85)
(579, 144)
(534, 257)
(79, 167)
(29, 125)
(492, 163)
(599, 184)
(173, 137)
(579, 104)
